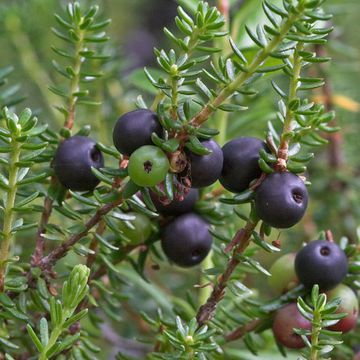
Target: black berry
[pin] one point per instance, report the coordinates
(134, 129)
(241, 166)
(321, 262)
(206, 169)
(186, 241)
(281, 200)
(176, 207)
(286, 319)
(73, 161)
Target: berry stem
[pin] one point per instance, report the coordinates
(207, 311)
(8, 212)
(204, 114)
(288, 123)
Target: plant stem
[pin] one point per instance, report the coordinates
(68, 123)
(221, 124)
(315, 332)
(240, 331)
(207, 311)
(205, 289)
(55, 333)
(75, 81)
(259, 59)
(221, 118)
(288, 122)
(59, 252)
(161, 95)
(8, 212)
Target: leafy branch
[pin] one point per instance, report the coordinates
(81, 30)
(242, 240)
(181, 68)
(292, 17)
(321, 314)
(62, 315)
(267, 49)
(17, 137)
(47, 262)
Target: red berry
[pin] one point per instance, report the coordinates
(285, 320)
(349, 304)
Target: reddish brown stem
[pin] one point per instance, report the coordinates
(59, 252)
(94, 243)
(242, 330)
(207, 311)
(40, 241)
(224, 8)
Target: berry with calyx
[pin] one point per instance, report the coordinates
(137, 230)
(283, 277)
(349, 305)
(206, 169)
(286, 319)
(321, 262)
(281, 199)
(241, 164)
(73, 161)
(186, 241)
(176, 206)
(148, 166)
(134, 129)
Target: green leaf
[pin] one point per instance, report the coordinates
(44, 331)
(195, 146)
(130, 189)
(263, 244)
(232, 107)
(34, 338)
(77, 317)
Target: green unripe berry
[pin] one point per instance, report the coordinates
(139, 230)
(148, 166)
(283, 277)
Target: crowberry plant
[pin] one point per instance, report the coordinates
(166, 219)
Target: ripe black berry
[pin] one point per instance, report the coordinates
(186, 241)
(177, 207)
(281, 199)
(206, 169)
(73, 161)
(241, 166)
(134, 129)
(321, 262)
(285, 320)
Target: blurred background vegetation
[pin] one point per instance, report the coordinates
(25, 43)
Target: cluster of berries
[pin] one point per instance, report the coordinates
(281, 199)
(235, 166)
(320, 262)
(148, 166)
